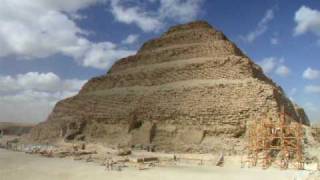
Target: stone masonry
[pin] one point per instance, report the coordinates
(191, 90)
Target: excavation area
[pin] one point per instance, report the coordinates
(18, 165)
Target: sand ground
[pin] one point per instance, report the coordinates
(18, 166)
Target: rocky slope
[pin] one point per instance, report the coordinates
(190, 90)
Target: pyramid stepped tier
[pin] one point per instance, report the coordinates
(181, 45)
(199, 35)
(176, 52)
(229, 67)
(191, 90)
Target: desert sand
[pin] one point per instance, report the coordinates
(18, 166)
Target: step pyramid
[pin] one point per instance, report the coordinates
(190, 90)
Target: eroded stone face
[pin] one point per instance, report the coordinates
(191, 90)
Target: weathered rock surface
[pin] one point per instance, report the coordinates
(191, 90)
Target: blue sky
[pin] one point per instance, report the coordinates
(49, 48)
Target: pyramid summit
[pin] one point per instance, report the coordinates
(190, 90)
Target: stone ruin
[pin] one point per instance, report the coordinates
(190, 90)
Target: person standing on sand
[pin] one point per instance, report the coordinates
(107, 164)
(111, 165)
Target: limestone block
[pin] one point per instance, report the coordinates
(144, 134)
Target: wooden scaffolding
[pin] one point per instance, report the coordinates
(275, 142)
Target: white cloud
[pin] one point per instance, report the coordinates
(35, 81)
(261, 28)
(31, 96)
(97, 55)
(36, 29)
(313, 89)
(180, 10)
(293, 91)
(311, 74)
(135, 15)
(268, 64)
(308, 20)
(274, 65)
(283, 71)
(38, 81)
(40, 28)
(132, 38)
(274, 41)
(154, 20)
(68, 6)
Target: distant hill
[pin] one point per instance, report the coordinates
(9, 128)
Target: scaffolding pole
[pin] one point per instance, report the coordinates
(275, 142)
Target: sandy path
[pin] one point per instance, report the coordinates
(18, 166)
